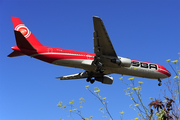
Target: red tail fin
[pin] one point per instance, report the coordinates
(19, 26)
(22, 42)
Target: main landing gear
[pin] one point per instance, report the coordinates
(159, 84)
(99, 64)
(89, 79)
(99, 67)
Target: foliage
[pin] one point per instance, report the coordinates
(163, 109)
(169, 109)
(103, 101)
(134, 92)
(70, 109)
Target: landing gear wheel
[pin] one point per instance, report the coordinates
(88, 79)
(92, 81)
(159, 84)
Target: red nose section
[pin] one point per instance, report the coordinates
(163, 70)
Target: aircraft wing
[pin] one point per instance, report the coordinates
(74, 76)
(102, 42)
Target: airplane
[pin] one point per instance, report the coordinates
(97, 66)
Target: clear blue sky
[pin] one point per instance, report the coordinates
(146, 30)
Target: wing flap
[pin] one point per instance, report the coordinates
(74, 76)
(87, 62)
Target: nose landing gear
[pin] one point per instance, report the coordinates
(159, 84)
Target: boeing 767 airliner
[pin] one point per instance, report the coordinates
(96, 66)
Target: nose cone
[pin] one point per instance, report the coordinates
(164, 71)
(168, 73)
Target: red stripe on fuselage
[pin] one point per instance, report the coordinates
(51, 54)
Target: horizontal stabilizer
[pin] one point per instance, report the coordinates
(22, 42)
(15, 54)
(74, 76)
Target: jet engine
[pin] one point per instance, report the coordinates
(105, 79)
(124, 62)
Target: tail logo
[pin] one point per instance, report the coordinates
(23, 29)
